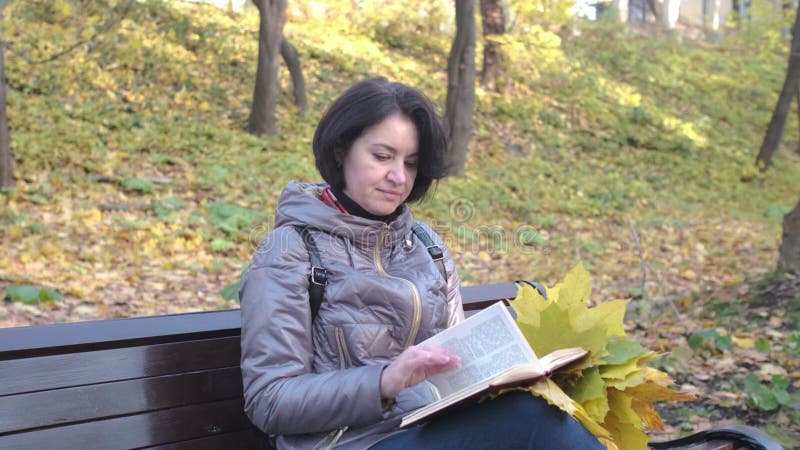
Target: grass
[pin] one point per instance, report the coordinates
(635, 157)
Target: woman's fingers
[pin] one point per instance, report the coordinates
(436, 360)
(413, 366)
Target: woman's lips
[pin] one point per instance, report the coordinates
(390, 194)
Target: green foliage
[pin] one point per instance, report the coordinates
(725, 307)
(523, 14)
(220, 244)
(231, 219)
(777, 211)
(165, 208)
(546, 221)
(138, 185)
(793, 343)
(710, 340)
(763, 344)
(214, 176)
(32, 294)
(771, 395)
(412, 25)
(530, 237)
(230, 292)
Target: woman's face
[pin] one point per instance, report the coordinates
(380, 168)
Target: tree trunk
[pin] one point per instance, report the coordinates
(461, 86)
(789, 254)
(494, 24)
(790, 86)
(292, 59)
(272, 16)
(797, 149)
(620, 7)
(650, 5)
(6, 161)
(670, 13)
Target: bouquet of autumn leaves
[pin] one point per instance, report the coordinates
(611, 392)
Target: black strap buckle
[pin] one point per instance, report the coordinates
(436, 252)
(319, 276)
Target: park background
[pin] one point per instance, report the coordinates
(627, 145)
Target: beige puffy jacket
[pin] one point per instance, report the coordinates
(317, 385)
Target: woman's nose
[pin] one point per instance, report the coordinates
(397, 173)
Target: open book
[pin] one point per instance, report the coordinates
(494, 354)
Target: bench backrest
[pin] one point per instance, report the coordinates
(164, 381)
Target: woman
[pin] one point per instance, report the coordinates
(346, 375)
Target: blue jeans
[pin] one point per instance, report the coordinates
(515, 420)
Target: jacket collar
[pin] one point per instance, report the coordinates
(300, 204)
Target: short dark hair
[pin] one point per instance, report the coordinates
(366, 103)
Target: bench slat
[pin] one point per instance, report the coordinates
(711, 445)
(141, 430)
(478, 297)
(60, 371)
(741, 437)
(245, 439)
(70, 405)
(40, 340)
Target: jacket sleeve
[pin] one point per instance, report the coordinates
(282, 395)
(455, 308)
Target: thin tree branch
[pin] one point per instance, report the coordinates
(642, 264)
(110, 23)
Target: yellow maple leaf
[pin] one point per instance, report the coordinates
(649, 416)
(653, 392)
(657, 376)
(576, 288)
(632, 379)
(611, 314)
(743, 342)
(620, 403)
(597, 408)
(528, 305)
(625, 435)
(610, 392)
(554, 395)
(620, 371)
(554, 292)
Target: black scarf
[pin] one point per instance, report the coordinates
(355, 209)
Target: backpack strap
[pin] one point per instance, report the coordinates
(539, 288)
(317, 276)
(434, 250)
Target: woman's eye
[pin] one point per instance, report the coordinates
(380, 156)
(411, 164)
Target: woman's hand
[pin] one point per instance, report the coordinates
(413, 366)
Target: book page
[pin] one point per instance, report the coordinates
(487, 343)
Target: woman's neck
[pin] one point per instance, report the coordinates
(353, 208)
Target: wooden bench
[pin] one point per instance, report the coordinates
(168, 382)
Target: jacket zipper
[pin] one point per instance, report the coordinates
(344, 354)
(325, 439)
(336, 438)
(434, 390)
(417, 318)
(344, 363)
(335, 434)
